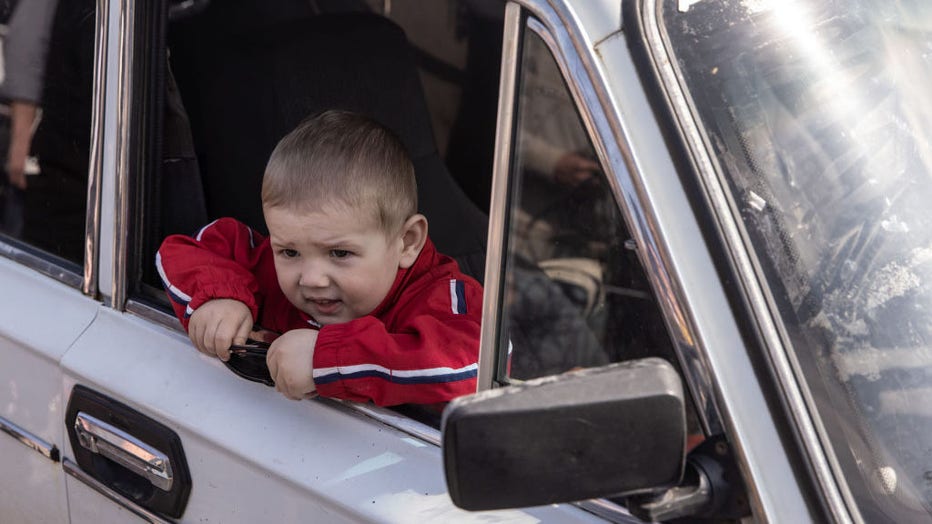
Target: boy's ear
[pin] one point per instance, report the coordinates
(413, 237)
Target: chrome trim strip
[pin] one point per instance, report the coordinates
(75, 471)
(123, 97)
(599, 117)
(40, 264)
(400, 422)
(796, 393)
(95, 169)
(498, 219)
(154, 314)
(29, 440)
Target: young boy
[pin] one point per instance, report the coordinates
(367, 308)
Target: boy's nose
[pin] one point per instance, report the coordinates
(314, 277)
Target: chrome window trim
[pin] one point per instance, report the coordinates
(153, 314)
(576, 58)
(419, 430)
(498, 221)
(31, 441)
(43, 264)
(95, 169)
(796, 394)
(123, 98)
(75, 471)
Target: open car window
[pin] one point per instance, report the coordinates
(424, 72)
(429, 73)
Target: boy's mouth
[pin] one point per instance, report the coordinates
(326, 306)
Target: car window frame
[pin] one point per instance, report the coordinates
(134, 174)
(564, 40)
(579, 66)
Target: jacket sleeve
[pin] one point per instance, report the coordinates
(218, 262)
(432, 356)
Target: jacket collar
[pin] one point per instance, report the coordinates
(426, 260)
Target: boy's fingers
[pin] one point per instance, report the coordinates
(284, 387)
(197, 336)
(243, 330)
(193, 328)
(210, 330)
(291, 393)
(223, 337)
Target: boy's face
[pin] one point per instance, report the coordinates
(334, 264)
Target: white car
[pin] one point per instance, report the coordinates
(702, 226)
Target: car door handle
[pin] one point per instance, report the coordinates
(127, 452)
(115, 444)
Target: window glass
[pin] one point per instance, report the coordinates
(574, 291)
(818, 114)
(46, 91)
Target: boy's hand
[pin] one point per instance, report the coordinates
(291, 363)
(218, 324)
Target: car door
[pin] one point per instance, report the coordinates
(45, 270)
(156, 431)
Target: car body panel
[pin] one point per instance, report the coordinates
(312, 457)
(87, 506)
(39, 320)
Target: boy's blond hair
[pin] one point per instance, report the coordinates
(339, 157)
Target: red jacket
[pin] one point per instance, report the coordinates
(420, 345)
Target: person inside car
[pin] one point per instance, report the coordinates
(367, 308)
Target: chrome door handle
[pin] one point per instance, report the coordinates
(115, 444)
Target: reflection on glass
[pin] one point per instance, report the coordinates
(820, 117)
(45, 124)
(574, 294)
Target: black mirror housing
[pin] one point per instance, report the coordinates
(585, 434)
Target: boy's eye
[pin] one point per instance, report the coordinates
(339, 253)
(289, 253)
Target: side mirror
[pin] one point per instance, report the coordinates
(586, 434)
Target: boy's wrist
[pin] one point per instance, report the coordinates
(240, 294)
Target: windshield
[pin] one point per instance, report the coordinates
(819, 116)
